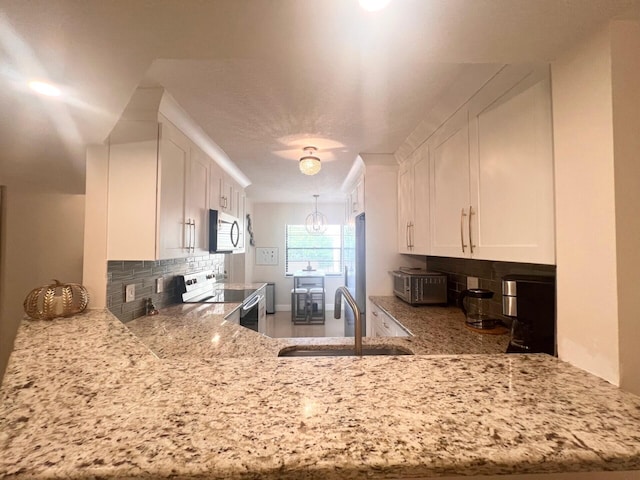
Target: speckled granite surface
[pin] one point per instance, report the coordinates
(84, 398)
(439, 330)
(200, 331)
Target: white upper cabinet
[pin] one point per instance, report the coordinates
(158, 193)
(242, 220)
(174, 231)
(490, 176)
(357, 198)
(162, 183)
(420, 229)
(449, 149)
(413, 203)
(354, 204)
(511, 158)
(223, 191)
(198, 201)
(405, 206)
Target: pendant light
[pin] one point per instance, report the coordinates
(309, 163)
(316, 222)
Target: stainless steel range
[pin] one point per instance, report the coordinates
(202, 287)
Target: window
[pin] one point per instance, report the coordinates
(322, 252)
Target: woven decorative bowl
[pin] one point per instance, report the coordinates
(56, 300)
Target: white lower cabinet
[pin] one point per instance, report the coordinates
(383, 325)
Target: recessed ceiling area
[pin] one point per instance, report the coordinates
(263, 78)
(263, 115)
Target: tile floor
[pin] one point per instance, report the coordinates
(279, 326)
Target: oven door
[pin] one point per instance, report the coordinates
(402, 286)
(249, 312)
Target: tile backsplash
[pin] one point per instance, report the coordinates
(143, 274)
(489, 274)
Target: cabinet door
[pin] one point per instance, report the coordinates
(198, 203)
(242, 220)
(512, 174)
(173, 160)
(405, 207)
(449, 162)
(215, 194)
(221, 191)
(227, 203)
(420, 229)
(357, 198)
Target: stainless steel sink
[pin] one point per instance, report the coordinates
(340, 351)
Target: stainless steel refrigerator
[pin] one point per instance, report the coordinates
(355, 272)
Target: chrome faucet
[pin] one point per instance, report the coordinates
(342, 291)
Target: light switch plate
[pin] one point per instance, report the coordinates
(159, 285)
(130, 293)
(266, 255)
(472, 282)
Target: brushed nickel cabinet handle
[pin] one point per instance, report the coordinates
(462, 215)
(406, 235)
(187, 234)
(411, 235)
(471, 245)
(193, 238)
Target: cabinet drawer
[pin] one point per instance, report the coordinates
(384, 325)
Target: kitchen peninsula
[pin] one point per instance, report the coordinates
(84, 398)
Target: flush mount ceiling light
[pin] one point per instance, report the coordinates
(309, 163)
(374, 5)
(44, 88)
(316, 222)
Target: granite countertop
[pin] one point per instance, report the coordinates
(200, 331)
(85, 398)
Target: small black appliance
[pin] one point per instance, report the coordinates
(530, 300)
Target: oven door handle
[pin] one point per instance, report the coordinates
(246, 308)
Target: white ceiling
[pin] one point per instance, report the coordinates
(264, 78)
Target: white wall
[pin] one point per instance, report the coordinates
(595, 113)
(269, 221)
(43, 241)
(95, 233)
(381, 205)
(625, 60)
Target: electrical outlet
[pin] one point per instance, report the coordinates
(159, 285)
(266, 256)
(130, 293)
(472, 282)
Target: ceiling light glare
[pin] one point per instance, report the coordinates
(374, 5)
(310, 164)
(44, 88)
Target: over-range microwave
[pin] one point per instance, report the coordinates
(224, 232)
(420, 287)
